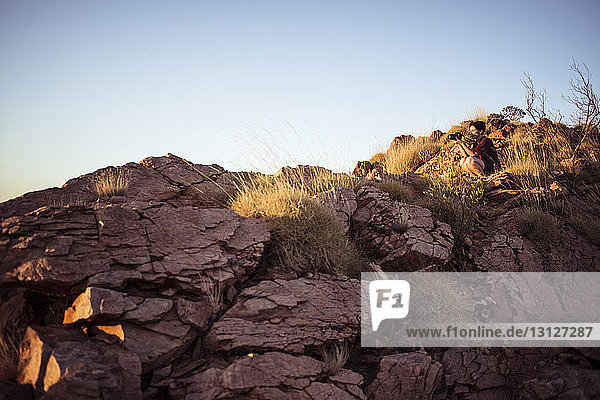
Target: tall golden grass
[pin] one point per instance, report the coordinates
(306, 236)
(410, 156)
(111, 182)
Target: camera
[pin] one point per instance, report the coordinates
(455, 136)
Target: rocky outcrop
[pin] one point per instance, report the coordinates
(400, 141)
(144, 274)
(399, 236)
(156, 290)
(563, 383)
(342, 202)
(511, 373)
(369, 169)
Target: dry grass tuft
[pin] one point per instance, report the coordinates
(111, 182)
(14, 315)
(477, 114)
(335, 356)
(213, 290)
(583, 213)
(396, 190)
(378, 157)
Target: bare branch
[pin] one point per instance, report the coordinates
(587, 112)
(535, 101)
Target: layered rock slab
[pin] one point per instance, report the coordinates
(289, 315)
(272, 375)
(113, 244)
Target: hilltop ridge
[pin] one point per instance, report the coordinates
(169, 279)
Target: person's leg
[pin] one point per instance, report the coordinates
(462, 164)
(475, 165)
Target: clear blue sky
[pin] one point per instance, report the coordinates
(87, 84)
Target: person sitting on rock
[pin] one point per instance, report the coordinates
(482, 159)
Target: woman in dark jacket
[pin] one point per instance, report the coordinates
(482, 159)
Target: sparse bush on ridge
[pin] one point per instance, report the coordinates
(512, 113)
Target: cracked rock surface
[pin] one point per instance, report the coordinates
(289, 315)
(272, 375)
(399, 236)
(498, 246)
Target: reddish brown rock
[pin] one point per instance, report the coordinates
(400, 141)
(399, 236)
(61, 363)
(371, 170)
(289, 316)
(562, 383)
(498, 246)
(405, 376)
(57, 248)
(271, 375)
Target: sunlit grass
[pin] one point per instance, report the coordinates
(111, 182)
(410, 156)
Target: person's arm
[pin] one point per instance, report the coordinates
(466, 151)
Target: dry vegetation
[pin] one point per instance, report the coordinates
(538, 226)
(111, 182)
(410, 156)
(14, 315)
(306, 236)
(335, 356)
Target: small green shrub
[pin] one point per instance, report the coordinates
(454, 199)
(538, 226)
